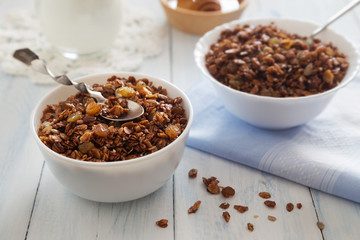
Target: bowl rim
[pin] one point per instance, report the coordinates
(115, 163)
(185, 11)
(348, 78)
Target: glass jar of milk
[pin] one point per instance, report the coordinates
(79, 27)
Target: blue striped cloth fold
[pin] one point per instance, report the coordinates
(323, 154)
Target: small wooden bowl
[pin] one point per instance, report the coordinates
(198, 22)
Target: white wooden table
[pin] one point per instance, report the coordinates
(33, 205)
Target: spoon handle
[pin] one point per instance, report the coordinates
(28, 57)
(347, 8)
(25, 55)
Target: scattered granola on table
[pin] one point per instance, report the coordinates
(241, 209)
(193, 173)
(228, 192)
(212, 185)
(226, 216)
(194, 207)
(224, 205)
(250, 227)
(265, 195)
(289, 207)
(163, 223)
(75, 129)
(320, 225)
(270, 204)
(209, 180)
(267, 61)
(271, 218)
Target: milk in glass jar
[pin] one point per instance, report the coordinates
(79, 28)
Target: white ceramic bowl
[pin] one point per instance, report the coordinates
(271, 112)
(113, 181)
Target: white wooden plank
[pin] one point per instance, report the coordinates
(208, 223)
(137, 219)
(20, 161)
(20, 173)
(58, 214)
(340, 217)
(184, 69)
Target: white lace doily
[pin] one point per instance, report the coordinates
(139, 37)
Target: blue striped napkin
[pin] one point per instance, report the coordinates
(323, 154)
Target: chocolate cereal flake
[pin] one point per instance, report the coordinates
(320, 225)
(209, 180)
(193, 173)
(270, 204)
(271, 218)
(250, 227)
(213, 188)
(299, 205)
(289, 207)
(194, 208)
(224, 205)
(163, 223)
(240, 208)
(226, 216)
(265, 195)
(228, 192)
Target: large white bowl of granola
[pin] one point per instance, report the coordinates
(106, 161)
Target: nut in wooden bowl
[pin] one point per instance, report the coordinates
(200, 16)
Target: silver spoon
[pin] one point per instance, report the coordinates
(344, 10)
(31, 59)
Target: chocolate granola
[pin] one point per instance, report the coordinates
(267, 61)
(75, 129)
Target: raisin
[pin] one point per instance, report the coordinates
(101, 130)
(93, 108)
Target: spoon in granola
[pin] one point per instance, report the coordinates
(347, 8)
(117, 113)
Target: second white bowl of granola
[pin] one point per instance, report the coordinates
(265, 75)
